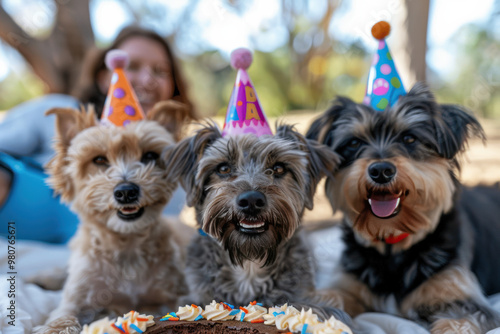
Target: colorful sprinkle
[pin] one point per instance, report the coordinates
(260, 304)
(257, 321)
(125, 328)
(278, 313)
(195, 306)
(234, 312)
(226, 307)
(137, 329)
(231, 306)
(141, 319)
(243, 309)
(253, 303)
(173, 319)
(118, 328)
(304, 329)
(198, 318)
(173, 314)
(242, 316)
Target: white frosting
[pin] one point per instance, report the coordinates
(189, 312)
(297, 321)
(331, 326)
(283, 319)
(104, 325)
(254, 312)
(215, 311)
(269, 318)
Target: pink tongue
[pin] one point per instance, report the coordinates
(384, 208)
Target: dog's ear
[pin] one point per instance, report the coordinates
(172, 115)
(321, 129)
(453, 124)
(322, 161)
(454, 128)
(182, 161)
(69, 122)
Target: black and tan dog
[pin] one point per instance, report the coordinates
(249, 194)
(412, 245)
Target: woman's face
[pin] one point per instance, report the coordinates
(149, 71)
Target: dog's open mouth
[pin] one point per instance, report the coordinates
(384, 204)
(129, 213)
(251, 226)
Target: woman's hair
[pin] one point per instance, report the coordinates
(88, 91)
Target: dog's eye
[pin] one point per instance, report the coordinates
(100, 160)
(409, 139)
(223, 169)
(354, 143)
(148, 157)
(279, 169)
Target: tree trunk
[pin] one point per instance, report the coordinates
(410, 51)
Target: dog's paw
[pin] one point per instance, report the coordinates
(63, 325)
(452, 326)
(338, 299)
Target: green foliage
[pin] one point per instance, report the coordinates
(211, 81)
(19, 88)
(477, 81)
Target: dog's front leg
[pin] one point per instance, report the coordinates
(339, 299)
(452, 302)
(64, 319)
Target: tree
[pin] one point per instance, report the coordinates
(56, 59)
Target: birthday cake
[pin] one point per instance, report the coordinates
(222, 318)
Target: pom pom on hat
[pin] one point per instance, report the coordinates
(116, 59)
(241, 59)
(381, 30)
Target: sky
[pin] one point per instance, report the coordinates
(225, 29)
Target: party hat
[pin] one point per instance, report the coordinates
(121, 106)
(384, 85)
(244, 114)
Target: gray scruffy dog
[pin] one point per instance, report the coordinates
(249, 194)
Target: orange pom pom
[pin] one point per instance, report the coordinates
(381, 30)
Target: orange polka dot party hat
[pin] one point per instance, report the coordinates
(244, 114)
(384, 85)
(121, 106)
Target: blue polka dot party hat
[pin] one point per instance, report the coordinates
(384, 85)
(121, 106)
(244, 114)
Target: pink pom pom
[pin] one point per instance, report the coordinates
(241, 58)
(116, 59)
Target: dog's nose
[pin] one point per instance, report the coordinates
(126, 193)
(251, 202)
(382, 172)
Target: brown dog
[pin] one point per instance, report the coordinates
(124, 254)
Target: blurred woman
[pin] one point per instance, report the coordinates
(26, 134)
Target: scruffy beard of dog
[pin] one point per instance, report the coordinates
(408, 240)
(124, 255)
(249, 194)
